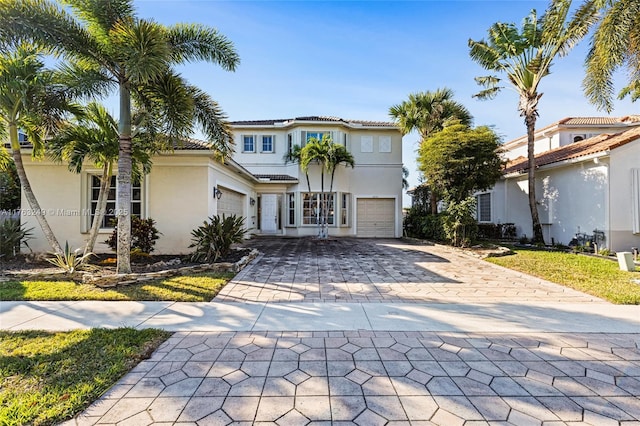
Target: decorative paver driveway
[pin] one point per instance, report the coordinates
(377, 378)
(363, 270)
(372, 377)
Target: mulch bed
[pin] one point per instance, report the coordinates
(106, 263)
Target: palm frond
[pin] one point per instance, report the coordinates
(142, 46)
(198, 42)
(610, 50)
(100, 15)
(213, 121)
(48, 25)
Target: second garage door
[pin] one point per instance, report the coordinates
(230, 203)
(376, 217)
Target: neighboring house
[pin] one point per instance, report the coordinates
(587, 181)
(189, 185)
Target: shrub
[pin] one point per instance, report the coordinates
(213, 239)
(70, 261)
(420, 224)
(12, 235)
(143, 235)
(499, 231)
(460, 225)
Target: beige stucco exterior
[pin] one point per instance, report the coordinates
(179, 192)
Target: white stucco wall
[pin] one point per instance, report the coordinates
(572, 198)
(623, 159)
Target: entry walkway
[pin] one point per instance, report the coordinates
(369, 332)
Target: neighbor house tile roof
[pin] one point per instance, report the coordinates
(191, 144)
(600, 143)
(620, 122)
(314, 118)
(275, 177)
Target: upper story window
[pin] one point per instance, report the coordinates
(289, 142)
(248, 143)
(306, 136)
(268, 143)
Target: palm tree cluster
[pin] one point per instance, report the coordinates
(108, 48)
(328, 156)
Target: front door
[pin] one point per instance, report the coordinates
(269, 219)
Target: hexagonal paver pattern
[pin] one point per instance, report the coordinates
(555, 378)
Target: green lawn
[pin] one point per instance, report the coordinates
(596, 276)
(49, 377)
(187, 288)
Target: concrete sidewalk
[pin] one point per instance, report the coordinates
(516, 317)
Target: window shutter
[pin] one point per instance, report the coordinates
(303, 135)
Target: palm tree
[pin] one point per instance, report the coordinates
(95, 137)
(614, 45)
(32, 100)
(337, 155)
(116, 49)
(317, 152)
(525, 55)
(428, 112)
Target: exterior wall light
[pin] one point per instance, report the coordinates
(216, 193)
(252, 201)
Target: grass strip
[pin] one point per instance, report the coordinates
(49, 377)
(187, 288)
(590, 274)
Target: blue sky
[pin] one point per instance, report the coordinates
(354, 59)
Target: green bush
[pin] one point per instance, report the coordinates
(12, 235)
(460, 225)
(9, 188)
(143, 235)
(427, 226)
(213, 239)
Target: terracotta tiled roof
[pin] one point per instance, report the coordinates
(600, 143)
(276, 177)
(629, 120)
(317, 118)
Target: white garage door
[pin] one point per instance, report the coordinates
(376, 217)
(230, 203)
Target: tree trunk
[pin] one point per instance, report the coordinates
(530, 114)
(323, 202)
(433, 201)
(105, 181)
(36, 210)
(123, 186)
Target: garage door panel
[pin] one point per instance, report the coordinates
(230, 203)
(376, 217)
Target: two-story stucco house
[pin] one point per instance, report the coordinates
(587, 181)
(189, 184)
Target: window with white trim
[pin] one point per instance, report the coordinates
(312, 205)
(289, 142)
(484, 207)
(291, 209)
(306, 136)
(366, 143)
(344, 209)
(268, 142)
(110, 210)
(248, 143)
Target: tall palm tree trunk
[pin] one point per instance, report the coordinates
(28, 192)
(530, 113)
(101, 207)
(123, 187)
